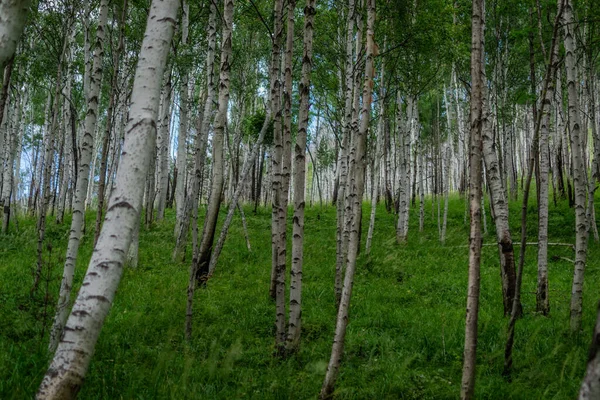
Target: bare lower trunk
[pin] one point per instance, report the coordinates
(236, 195)
(478, 117)
(295, 320)
(62, 308)
(356, 189)
(204, 121)
(200, 262)
(344, 150)
(579, 171)
(277, 152)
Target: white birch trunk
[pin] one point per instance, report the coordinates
(64, 298)
(477, 121)
(356, 189)
(295, 320)
(73, 355)
(579, 178)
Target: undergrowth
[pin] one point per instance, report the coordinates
(405, 337)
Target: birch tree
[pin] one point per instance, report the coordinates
(67, 371)
(200, 263)
(356, 190)
(294, 325)
(477, 119)
(579, 172)
(62, 308)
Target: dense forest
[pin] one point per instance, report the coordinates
(292, 199)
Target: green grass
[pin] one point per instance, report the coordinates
(406, 331)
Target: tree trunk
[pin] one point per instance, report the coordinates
(500, 214)
(204, 121)
(295, 320)
(110, 118)
(356, 189)
(542, 301)
(46, 194)
(73, 355)
(579, 173)
(200, 263)
(377, 158)
(478, 118)
(344, 149)
(277, 152)
(13, 16)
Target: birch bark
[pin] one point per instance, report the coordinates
(201, 263)
(295, 320)
(478, 117)
(73, 355)
(13, 14)
(356, 186)
(579, 178)
(343, 164)
(202, 133)
(62, 308)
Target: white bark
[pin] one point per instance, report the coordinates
(12, 22)
(356, 189)
(69, 366)
(202, 134)
(295, 320)
(377, 161)
(478, 117)
(579, 173)
(344, 150)
(62, 308)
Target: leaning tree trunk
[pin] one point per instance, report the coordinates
(356, 189)
(478, 117)
(531, 167)
(294, 325)
(579, 173)
(201, 260)
(500, 214)
(73, 355)
(62, 308)
(236, 195)
(204, 121)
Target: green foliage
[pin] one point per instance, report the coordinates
(252, 125)
(405, 337)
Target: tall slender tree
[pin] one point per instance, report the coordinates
(67, 371)
(477, 119)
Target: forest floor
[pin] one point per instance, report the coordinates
(405, 337)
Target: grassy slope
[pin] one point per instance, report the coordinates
(404, 340)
